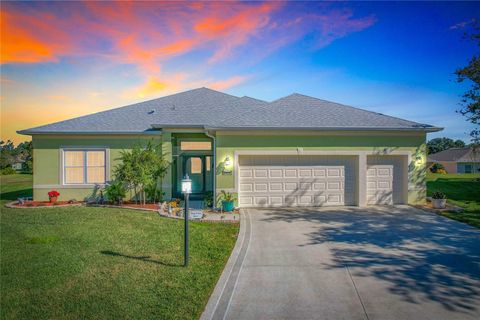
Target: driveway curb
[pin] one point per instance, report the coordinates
(217, 305)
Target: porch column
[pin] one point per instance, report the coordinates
(362, 180)
(167, 150)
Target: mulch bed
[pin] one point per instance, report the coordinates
(151, 206)
(42, 204)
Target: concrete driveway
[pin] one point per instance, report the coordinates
(350, 263)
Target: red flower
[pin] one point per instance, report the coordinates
(53, 194)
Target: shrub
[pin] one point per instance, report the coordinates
(441, 171)
(437, 166)
(438, 195)
(208, 199)
(115, 191)
(7, 171)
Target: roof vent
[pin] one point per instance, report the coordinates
(151, 111)
(172, 107)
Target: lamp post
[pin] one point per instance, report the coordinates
(186, 190)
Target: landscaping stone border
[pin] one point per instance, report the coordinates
(14, 205)
(209, 217)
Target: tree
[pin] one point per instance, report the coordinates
(440, 144)
(142, 169)
(471, 99)
(11, 154)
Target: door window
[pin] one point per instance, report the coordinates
(195, 165)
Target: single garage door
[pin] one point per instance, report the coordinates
(302, 180)
(380, 184)
(387, 179)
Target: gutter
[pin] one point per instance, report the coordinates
(214, 167)
(28, 132)
(246, 128)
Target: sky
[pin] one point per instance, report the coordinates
(61, 60)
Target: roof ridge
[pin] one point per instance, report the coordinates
(352, 107)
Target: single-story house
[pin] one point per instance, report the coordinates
(294, 151)
(18, 165)
(457, 160)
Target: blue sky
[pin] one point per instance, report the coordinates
(78, 58)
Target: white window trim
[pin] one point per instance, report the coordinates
(83, 148)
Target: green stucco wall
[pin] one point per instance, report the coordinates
(379, 142)
(47, 155)
(46, 164)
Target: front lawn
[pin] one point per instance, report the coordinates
(104, 263)
(462, 190)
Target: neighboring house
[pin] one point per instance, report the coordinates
(18, 165)
(294, 151)
(458, 160)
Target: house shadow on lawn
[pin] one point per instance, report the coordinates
(141, 258)
(14, 195)
(421, 256)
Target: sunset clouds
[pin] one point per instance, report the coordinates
(147, 34)
(148, 49)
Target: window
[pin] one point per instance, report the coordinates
(195, 145)
(207, 163)
(84, 166)
(468, 168)
(195, 165)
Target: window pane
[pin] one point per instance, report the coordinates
(74, 175)
(96, 175)
(73, 158)
(195, 145)
(195, 165)
(207, 163)
(96, 158)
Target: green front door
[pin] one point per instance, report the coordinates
(194, 166)
(199, 169)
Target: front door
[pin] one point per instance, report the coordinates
(194, 166)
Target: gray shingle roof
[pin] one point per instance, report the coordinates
(467, 154)
(300, 111)
(212, 109)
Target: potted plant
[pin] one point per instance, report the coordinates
(439, 200)
(227, 199)
(53, 196)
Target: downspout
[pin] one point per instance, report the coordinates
(214, 168)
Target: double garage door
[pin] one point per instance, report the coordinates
(292, 186)
(291, 181)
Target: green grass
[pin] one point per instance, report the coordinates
(83, 263)
(462, 190)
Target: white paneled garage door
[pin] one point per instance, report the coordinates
(380, 184)
(264, 186)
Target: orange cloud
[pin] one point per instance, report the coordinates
(153, 86)
(227, 83)
(25, 40)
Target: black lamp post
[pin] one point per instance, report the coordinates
(186, 190)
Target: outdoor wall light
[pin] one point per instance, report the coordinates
(228, 162)
(226, 165)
